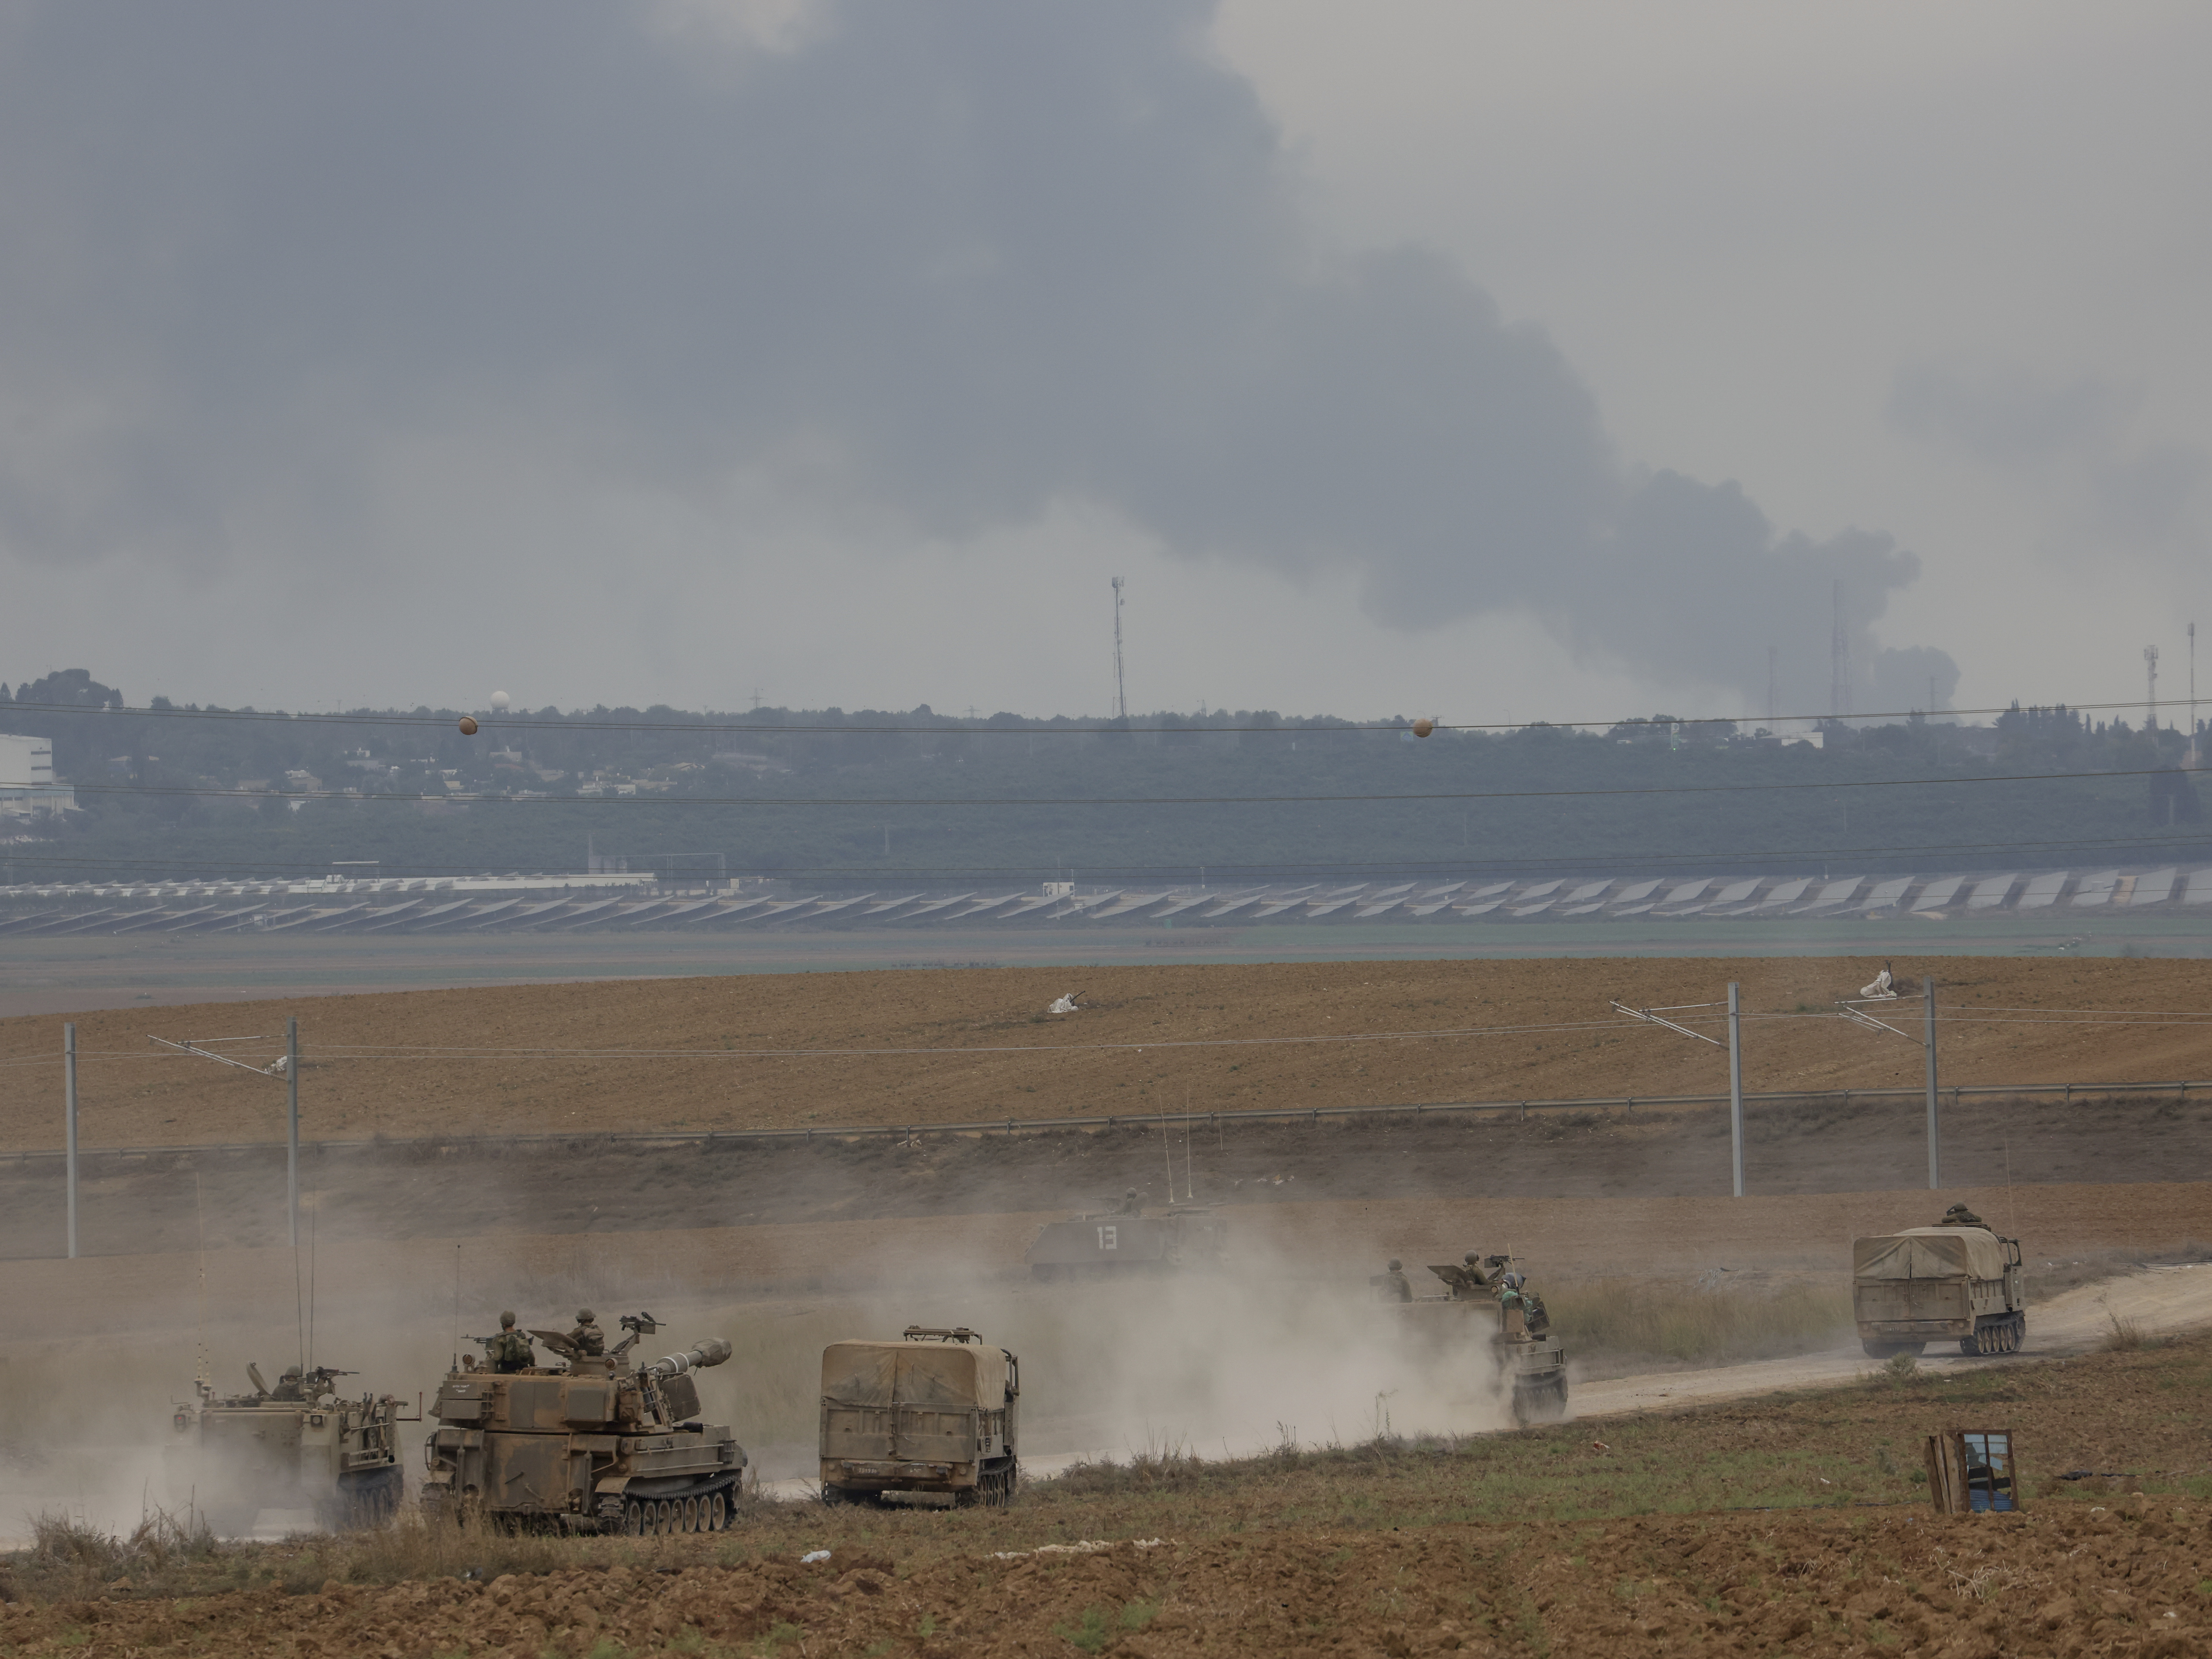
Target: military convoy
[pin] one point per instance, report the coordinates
(597, 1444)
(1487, 1314)
(1957, 1279)
(1125, 1243)
(932, 1419)
(300, 1446)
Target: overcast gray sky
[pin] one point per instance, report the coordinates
(1492, 360)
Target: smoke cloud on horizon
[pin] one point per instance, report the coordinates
(946, 269)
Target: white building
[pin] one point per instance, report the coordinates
(26, 778)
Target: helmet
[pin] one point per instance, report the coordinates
(507, 1321)
(1132, 1193)
(1472, 1257)
(584, 1317)
(291, 1373)
(1396, 1264)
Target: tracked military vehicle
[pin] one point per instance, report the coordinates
(932, 1419)
(301, 1445)
(1956, 1281)
(1487, 1315)
(595, 1444)
(1127, 1243)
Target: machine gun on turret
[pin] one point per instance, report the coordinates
(608, 1443)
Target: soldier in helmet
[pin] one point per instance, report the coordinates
(1397, 1287)
(1960, 1216)
(289, 1386)
(1129, 1205)
(589, 1339)
(510, 1351)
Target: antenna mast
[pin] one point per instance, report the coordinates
(1121, 694)
(1839, 655)
(2150, 673)
(2192, 695)
(1773, 708)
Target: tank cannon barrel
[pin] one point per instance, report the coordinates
(713, 1351)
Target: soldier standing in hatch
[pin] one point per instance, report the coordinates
(591, 1341)
(1129, 1205)
(288, 1386)
(1397, 1287)
(510, 1351)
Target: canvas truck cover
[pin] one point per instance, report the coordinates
(934, 1375)
(1930, 1253)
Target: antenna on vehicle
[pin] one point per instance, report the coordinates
(456, 1308)
(199, 1219)
(2012, 1205)
(309, 1364)
(299, 1307)
(1189, 1186)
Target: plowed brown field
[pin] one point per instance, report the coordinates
(958, 1045)
(2123, 1580)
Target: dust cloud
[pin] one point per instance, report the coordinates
(1204, 1365)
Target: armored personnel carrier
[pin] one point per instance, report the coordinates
(301, 1445)
(1954, 1281)
(595, 1444)
(1487, 1311)
(1126, 1242)
(932, 1418)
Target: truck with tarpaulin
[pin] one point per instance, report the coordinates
(1933, 1284)
(932, 1419)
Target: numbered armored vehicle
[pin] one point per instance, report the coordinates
(1926, 1285)
(595, 1444)
(932, 1419)
(301, 1445)
(1126, 1242)
(1487, 1314)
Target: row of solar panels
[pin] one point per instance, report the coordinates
(1551, 899)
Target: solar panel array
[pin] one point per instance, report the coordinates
(567, 904)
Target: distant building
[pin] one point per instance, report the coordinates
(26, 778)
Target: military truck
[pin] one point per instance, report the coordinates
(1476, 1321)
(1927, 1283)
(597, 1444)
(298, 1446)
(1126, 1242)
(932, 1419)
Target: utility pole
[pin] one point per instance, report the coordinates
(1935, 1119)
(2151, 671)
(1735, 1081)
(1773, 708)
(69, 1115)
(1120, 695)
(292, 1130)
(2192, 695)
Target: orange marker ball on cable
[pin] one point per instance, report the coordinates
(1423, 726)
(468, 725)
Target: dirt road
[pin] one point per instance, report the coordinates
(963, 1046)
(2165, 1301)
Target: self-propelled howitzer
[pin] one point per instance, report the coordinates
(597, 1444)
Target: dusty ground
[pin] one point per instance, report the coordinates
(937, 1047)
(1324, 1241)
(133, 1203)
(1781, 1525)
